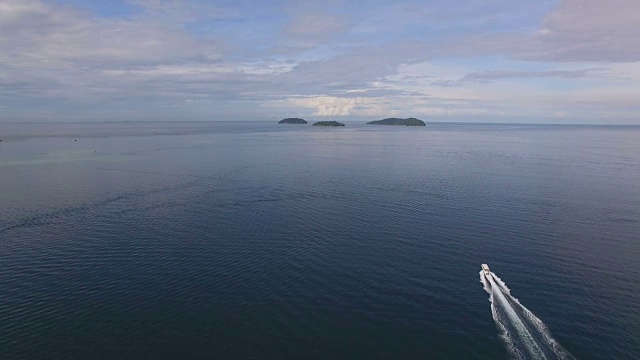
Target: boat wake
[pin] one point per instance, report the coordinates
(525, 336)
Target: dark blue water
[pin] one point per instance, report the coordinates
(257, 240)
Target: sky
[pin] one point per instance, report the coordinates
(542, 61)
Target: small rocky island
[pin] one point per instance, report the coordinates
(292, 121)
(398, 121)
(328, 123)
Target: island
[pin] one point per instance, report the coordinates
(398, 121)
(292, 121)
(328, 123)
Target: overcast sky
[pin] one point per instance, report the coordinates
(550, 61)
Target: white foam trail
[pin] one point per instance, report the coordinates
(528, 341)
(525, 336)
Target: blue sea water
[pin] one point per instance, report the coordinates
(252, 240)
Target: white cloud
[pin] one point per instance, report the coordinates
(51, 34)
(331, 106)
(576, 30)
(202, 70)
(589, 30)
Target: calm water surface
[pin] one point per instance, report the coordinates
(257, 240)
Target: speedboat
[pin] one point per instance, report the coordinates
(485, 270)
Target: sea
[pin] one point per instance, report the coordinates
(254, 240)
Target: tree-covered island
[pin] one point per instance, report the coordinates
(292, 121)
(328, 123)
(398, 121)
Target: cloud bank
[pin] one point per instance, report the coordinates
(498, 60)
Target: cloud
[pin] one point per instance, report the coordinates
(32, 32)
(181, 12)
(383, 106)
(315, 25)
(566, 74)
(331, 106)
(589, 30)
(324, 58)
(488, 76)
(64, 52)
(574, 31)
(308, 30)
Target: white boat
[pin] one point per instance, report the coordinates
(485, 269)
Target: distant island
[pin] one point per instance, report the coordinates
(398, 121)
(328, 123)
(292, 121)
